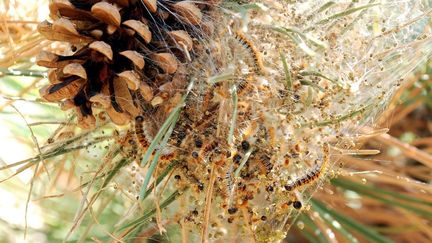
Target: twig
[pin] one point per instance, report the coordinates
(208, 202)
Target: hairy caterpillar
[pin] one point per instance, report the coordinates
(244, 87)
(168, 157)
(208, 148)
(139, 132)
(265, 161)
(311, 175)
(256, 55)
(129, 147)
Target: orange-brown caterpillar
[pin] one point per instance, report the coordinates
(129, 146)
(311, 175)
(139, 132)
(168, 157)
(256, 55)
(207, 99)
(265, 161)
(244, 87)
(206, 149)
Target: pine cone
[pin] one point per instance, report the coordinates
(127, 54)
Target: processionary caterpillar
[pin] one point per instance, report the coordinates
(139, 132)
(311, 175)
(249, 46)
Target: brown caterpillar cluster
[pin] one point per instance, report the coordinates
(247, 169)
(126, 57)
(134, 60)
